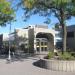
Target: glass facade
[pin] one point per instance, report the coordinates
(42, 44)
(70, 34)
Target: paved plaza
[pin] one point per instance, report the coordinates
(26, 67)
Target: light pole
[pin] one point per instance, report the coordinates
(9, 55)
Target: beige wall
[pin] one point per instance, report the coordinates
(31, 33)
(51, 42)
(37, 30)
(22, 33)
(21, 36)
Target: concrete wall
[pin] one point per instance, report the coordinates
(57, 65)
(22, 32)
(21, 37)
(30, 33)
(51, 41)
(37, 30)
(31, 40)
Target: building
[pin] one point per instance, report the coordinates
(1, 41)
(71, 37)
(58, 38)
(39, 38)
(36, 38)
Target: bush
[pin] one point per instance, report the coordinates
(23, 48)
(50, 55)
(66, 56)
(73, 54)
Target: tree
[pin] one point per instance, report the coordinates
(6, 12)
(61, 9)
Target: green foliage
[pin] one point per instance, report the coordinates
(50, 55)
(6, 12)
(66, 56)
(73, 54)
(29, 3)
(47, 7)
(61, 9)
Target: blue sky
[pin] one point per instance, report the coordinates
(35, 19)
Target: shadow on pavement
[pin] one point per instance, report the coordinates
(38, 64)
(3, 56)
(20, 58)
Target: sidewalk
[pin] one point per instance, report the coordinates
(26, 67)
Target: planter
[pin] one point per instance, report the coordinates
(57, 65)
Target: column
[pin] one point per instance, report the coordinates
(35, 50)
(40, 44)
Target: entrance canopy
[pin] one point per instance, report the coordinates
(48, 37)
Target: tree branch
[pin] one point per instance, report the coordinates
(47, 6)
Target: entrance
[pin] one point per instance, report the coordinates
(42, 44)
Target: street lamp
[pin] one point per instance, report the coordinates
(9, 55)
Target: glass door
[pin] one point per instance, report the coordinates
(41, 45)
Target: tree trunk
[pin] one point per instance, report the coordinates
(64, 38)
(64, 33)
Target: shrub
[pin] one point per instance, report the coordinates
(50, 55)
(66, 56)
(73, 54)
(23, 48)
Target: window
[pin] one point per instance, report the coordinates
(70, 34)
(42, 43)
(42, 48)
(38, 49)
(45, 48)
(37, 43)
(45, 43)
(57, 35)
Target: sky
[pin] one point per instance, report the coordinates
(35, 19)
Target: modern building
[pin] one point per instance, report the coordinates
(71, 37)
(58, 38)
(39, 38)
(36, 38)
(1, 41)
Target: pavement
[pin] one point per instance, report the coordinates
(26, 67)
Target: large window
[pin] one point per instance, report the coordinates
(38, 48)
(37, 43)
(42, 43)
(70, 34)
(45, 43)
